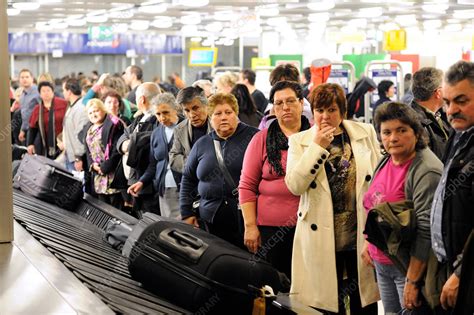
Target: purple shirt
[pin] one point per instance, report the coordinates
(387, 186)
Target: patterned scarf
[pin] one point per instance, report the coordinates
(277, 141)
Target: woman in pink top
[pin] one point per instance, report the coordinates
(268, 207)
(409, 171)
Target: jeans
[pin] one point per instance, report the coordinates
(391, 282)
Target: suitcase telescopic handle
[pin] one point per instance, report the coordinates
(182, 244)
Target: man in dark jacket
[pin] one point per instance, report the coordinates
(452, 218)
(427, 102)
(133, 142)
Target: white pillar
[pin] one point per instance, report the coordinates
(6, 195)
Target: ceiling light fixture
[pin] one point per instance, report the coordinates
(76, 22)
(153, 9)
(13, 11)
(463, 14)
(191, 19)
(119, 28)
(405, 20)
(191, 3)
(432, 24)
(267, 10)
(139, 25)
(162, 22)
(318, 17)
(435, 8)
(125, 14)
(213, 27)
(26, 5)
(97, 18)
(322, 5)
(370, 12)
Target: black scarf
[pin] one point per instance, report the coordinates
(277, 141)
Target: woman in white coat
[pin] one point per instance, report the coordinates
(330, 166)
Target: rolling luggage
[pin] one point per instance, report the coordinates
(18, 152)
(197, 270)
(47, 180)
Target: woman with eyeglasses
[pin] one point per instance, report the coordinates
(262, 183)
(330, 166)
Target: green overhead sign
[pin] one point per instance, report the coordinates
(100, 33)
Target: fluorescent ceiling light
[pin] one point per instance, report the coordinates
(97, 19)
(321, 5)
(162, 22)
(405, 20)
(119, 28)
(139, 25)
(13, 11)
(267, 10)
(191, 19)
(435, 8)
(126, 14)
(26, 5)
(358, 23)
(370, 12)
(191, 3)
(196, 39)
(226, 15)
(213, 27)
(228, 42)
(318, 17)
(277, 21)
(390, 26)
(432, 24)
(59, 25)
(153, 9)
(189, 30)
(98, 12)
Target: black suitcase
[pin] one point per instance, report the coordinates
(49, 181)
(18, 152)
(197, 270)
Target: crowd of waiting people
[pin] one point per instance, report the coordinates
(294, 179)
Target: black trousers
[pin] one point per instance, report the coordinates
(228, 224)
(347, 260)
(146, 203)
(277, 247)
(115, 200)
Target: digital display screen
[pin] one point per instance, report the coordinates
(204, 57)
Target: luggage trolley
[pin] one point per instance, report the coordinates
(344, 75)
(377, 70)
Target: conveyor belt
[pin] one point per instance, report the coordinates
(76, 240)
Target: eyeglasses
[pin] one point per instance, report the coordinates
(289, 102)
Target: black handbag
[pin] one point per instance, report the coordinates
(119, 181)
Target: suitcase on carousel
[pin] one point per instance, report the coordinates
(47, 180)
(197, 270)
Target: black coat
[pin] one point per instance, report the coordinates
(436, 137)
(458, 214)
(111, 132)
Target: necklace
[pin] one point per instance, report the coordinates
(344, 162)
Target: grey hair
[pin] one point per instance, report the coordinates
(165, 98)
(460, 71)
(188, 94)
(149, 90)
(425, 82)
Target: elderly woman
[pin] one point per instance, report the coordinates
(330, 166)
(219, 205)
(226, 82)
(262, 183)
(194, 104)
(408, 171)
(46, 122)
(165, 180)
(102, 155)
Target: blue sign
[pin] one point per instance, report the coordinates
(341, 77)
(71, 43)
